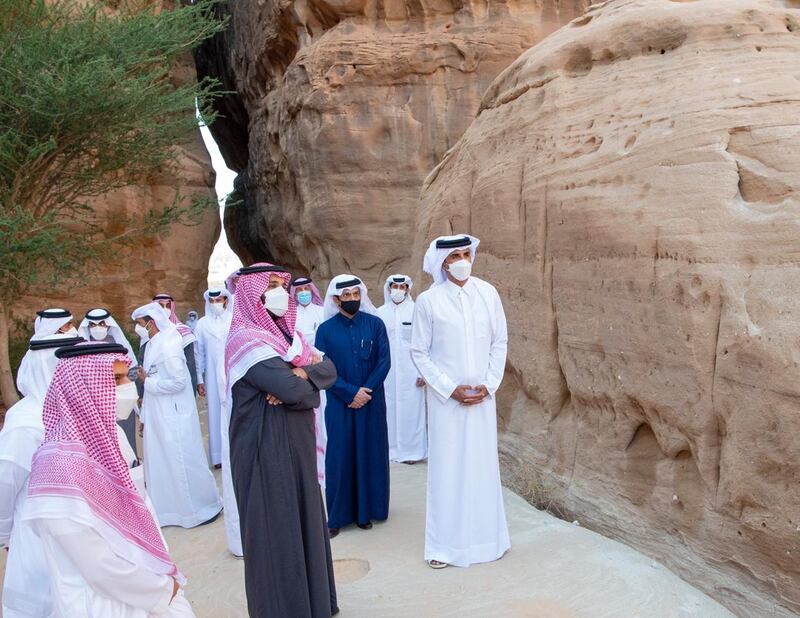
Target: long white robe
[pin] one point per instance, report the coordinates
(209, 349)
(405, 402)
(179, 481)
(26, 588)
(308, 320)
(89, 580)
(459, 337)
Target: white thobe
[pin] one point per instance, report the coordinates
(209, 351)
(89, 580)
(179, 481)
(459, 337)
(405, 401)
(26, 588)
(308, 320)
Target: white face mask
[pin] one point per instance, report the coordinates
(98, 333)
(72, 332)
(397, 296)
(276, 300)
(127, 396)
(217, 308)
(461, 270)
(141, 331)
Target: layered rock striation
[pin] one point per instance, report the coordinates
(347, 106)
(635, 180)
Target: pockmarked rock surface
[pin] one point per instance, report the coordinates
(635, 180)
(348, 105)
(176, 263)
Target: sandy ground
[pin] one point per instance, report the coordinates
(553, 570)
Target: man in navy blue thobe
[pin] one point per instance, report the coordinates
(357, 458)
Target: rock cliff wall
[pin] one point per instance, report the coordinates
(348, 104)
(635, 179)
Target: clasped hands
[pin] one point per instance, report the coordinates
(470, 395)
(362, 398)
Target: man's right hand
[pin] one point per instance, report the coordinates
(201, 390)
(362, 397)
(465, 395)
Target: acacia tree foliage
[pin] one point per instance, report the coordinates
(88, 105)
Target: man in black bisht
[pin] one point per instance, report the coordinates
(275, 378)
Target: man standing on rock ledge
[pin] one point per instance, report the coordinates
(458, 343)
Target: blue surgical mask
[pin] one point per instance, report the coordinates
(304, 297)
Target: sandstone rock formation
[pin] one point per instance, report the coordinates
(349, 104)
(635, 179)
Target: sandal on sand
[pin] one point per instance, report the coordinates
(435, 564)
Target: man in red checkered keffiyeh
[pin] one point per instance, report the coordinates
(94, 524)
(274, 379)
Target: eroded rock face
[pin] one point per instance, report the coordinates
(350, 105)
(635, 179)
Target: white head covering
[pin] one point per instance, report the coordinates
(443, 246)
(157, 312)
(38, 365)
(338, 285)
(398, 278)
(103, 315)
(48, 321)
(216, 293)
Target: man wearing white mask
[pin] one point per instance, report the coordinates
(179, 481)
(167, 303)
(26, 589)
(405, 397)
(458, 343)
(98, 325)
(212, 332)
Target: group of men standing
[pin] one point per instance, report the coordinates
(304, 392)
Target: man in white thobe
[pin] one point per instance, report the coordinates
(458, 343)
(178, 479)
(209, 349)
(104, 553)
(26, 588)
(405, 395)
(212, 332)
(99, 325)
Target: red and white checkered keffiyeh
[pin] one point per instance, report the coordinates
(184, 330)
(80, 460)
(253, 330)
